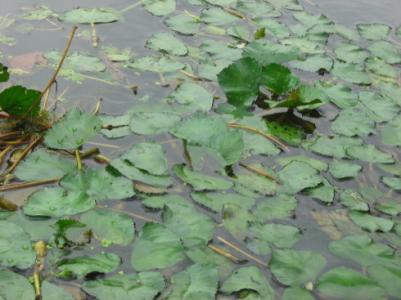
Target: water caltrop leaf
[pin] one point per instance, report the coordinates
(200, 181)
(109, 227)
(143, 285)
(73, 130)
(183, 24)
(342, 169)
(158, 64)
(278, 79)
(156, 247)
(91, 15)
(167, 43)
(51, 291)
(386, 51)
(293, 267)
(345, 283)
(281, 206)
(99, 184)
(153, 122)
(249, 279)
(159, 7)
(57, 202)
(296, 293)
(196, 282)
(362, 249)
(351, 53)
(15, 247)
(83, 265)
(149, 157)
(15, 286)
(19, 101)
(350, 72)
(217, 16)
(39, 13)
(388, 277)
(374, 31)
(42, 164)
(193, 96)
(314, 63)
(281, 236)
(77, 62)
(371, 223)
(213, 132)
(240, 81)
(370, 153)
(297, 176)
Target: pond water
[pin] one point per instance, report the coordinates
(207, 220)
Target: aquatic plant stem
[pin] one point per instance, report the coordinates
(260, 132)
(132, 6)
(60, 64)
(27, 149)
(78, 159)
(259, 171)
(239, 250)
(40, 251)
(224, 253)
(27, 184)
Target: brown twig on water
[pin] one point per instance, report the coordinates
(260, 132)
(26, 150)
(7, 204)
(78, 160)
(224, 253)
(60, 64)
(259, 171)
(40, 251)
(27, 184)
(191, 75)
(239, 250)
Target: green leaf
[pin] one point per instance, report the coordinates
(196, 282)
(159, 7)
(149, 157)
(19, 101)
(279, 79)
(342, 169)
(83, 265)
(99, 184)
(240, 82)
(256, 183)
(281, 236)
(91, 15)
(183, 24)
(156, 247)
(73, 130)
(4, 75)
(351, 53)
(167, 43)
(143, 285)
(39, 13)
(390, 207)
(341, 95)
(200, 181)
(370, 153)
(313, 162)
(353, 73)
(153, 122)
(281, 206)
(296, 293)
(345, 283)
(293, 268)
(36, 228)
(235, 220)
(297, 176)
(353, 200)
(15, 286)
(333, 146)
(110, 227)
(216, 200)
(381, 68)
(386, 51)
(314, 63)
(373, 31)
(42, 164)
(193, 96)
(212, 132)
(51, 291)
(15, 247)
(128, 170)
(391, 132)
(352, 122)
(217, 16)
(57, 202)
(371, 223)
(78, 62)
(377, 108)
(362, 249)
(323, 192)
(157, 64)
(392, 182)
(249, 279)
(388, 277)
(266, 52)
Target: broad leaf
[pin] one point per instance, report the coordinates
(19, 101)
(168, 43)
(15, 286)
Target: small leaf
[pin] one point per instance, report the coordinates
(91, 15)
(4, 75)
(19, 101)
(15, 286)
(374, 31)
(168, 43)
(278, 79)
